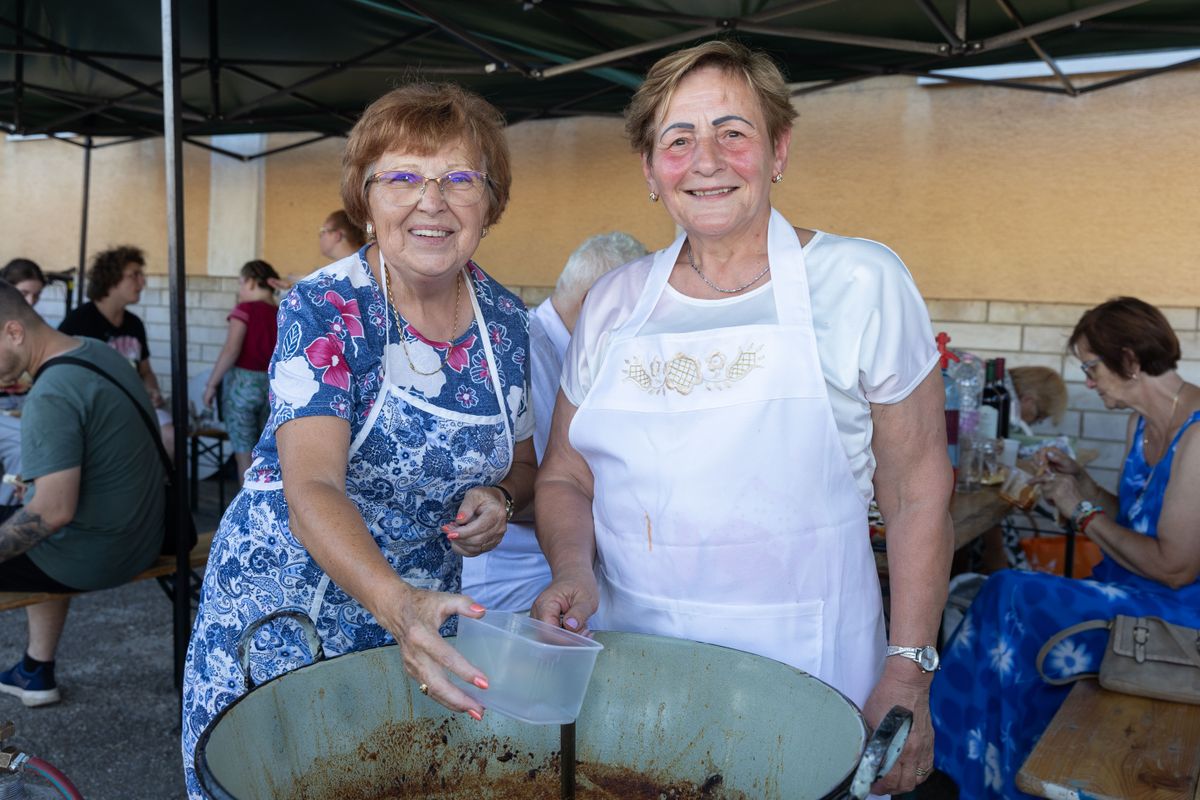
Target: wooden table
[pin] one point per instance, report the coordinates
(1103, 745)
(976, 513)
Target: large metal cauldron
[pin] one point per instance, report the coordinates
(673, 711)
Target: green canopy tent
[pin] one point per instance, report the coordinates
(97, 70)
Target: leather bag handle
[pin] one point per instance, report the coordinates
(1067, 633)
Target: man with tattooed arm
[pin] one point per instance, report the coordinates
(93, 513)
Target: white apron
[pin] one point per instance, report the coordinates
(725, 507)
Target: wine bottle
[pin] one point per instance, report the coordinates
(1005, 408)
(989, 415)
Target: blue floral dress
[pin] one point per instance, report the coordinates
(421, 436)
(989, 704)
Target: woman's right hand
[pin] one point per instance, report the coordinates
(569, 601)
(1059, 462)
(426, 655)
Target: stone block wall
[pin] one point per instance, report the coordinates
(1025, 334)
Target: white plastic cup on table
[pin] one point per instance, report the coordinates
(1008, 455)
(537, 673)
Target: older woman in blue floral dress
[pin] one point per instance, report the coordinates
(989, 703)
(399, 439)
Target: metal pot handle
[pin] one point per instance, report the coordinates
(883, 750)
(303, 620)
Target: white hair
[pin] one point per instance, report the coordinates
(596, 256)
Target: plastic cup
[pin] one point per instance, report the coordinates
(537, 673)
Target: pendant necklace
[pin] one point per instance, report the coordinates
(1167, 429)
(722, 290)
(453, 328)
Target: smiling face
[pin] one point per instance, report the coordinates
(712, 158)
(428, 238)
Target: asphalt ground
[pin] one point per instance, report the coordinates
(115, 734)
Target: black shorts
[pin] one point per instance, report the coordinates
(20, 574)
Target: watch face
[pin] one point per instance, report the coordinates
(927, 657)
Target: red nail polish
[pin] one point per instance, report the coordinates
(475, 715)
(460, 517)
(477, 608)
(452, 536)
(446, 528)
(481, 683)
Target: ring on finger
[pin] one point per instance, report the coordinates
(921, 773)
(423, 688)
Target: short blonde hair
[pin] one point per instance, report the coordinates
(1045, 386)
(422, 118)
(756, 68)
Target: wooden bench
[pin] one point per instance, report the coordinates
(163, 566)
(1103, 745)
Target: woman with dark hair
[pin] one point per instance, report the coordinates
(989, 703)
(399, 438)
(241, 368)
(27, 276)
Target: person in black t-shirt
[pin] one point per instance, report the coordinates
(115, 280)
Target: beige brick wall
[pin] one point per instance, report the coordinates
(1028, 334)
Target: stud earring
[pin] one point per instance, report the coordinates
(653, 197)
(777, 177)
(483, 232)
(370, 231)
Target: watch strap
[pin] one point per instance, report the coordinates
(508, 500)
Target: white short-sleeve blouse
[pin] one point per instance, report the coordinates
(874, 338)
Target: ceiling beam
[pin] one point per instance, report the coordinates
(1012, 13)
(119, 102)
(954, 40)
(333, 69)
(308, 101)
(880, 42)
(500, 58)
(67, 52)
(1055, 23)
(625, 52)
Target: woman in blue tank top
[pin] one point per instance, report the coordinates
(989, 704)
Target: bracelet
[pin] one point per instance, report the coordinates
(508, 501)
(1083, 515)
(1082, 524)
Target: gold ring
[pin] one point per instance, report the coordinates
(921, 773)
(423, 688)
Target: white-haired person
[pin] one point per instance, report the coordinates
(510, 577)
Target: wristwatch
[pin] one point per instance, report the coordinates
(926, 657)
(508, 501)
(1082, 514)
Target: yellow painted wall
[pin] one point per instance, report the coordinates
(986, 193)
(41, 192)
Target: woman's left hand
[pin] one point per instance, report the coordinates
(480, 523)
(1062, 490)
(916, 759)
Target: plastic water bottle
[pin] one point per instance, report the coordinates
(952, 400)
(968, 374)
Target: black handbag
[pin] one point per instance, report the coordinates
(170, 541)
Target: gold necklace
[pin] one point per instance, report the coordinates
(1170, 419)
(721, 289)
(453, 329)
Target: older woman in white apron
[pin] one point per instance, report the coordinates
(731, 404)
(399, 439)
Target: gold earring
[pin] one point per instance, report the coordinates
(653, 197)
(483, 232)
(370, 231)
(777, 177)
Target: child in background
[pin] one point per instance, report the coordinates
(244, 359)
